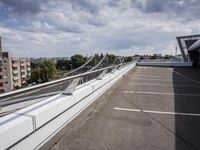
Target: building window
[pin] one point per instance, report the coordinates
(1, 84)
(4, 61)
(5, 68)
(15, 81)
(6, 82)
(15, 74)
(14, 68)
(1, 77)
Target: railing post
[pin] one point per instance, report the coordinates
(72, 86)
(100, 77)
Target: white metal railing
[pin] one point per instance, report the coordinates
(49, 84)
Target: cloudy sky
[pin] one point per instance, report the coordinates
(48, 28)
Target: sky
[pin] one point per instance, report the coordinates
(59, 28)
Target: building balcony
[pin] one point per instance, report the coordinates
(23, 81)
(23, 64)
(2, 89)
(23, 75)
(15, 77)
(23, 70)
(17, 85)
(15, 65)
(15, 71)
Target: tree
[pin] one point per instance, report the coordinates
(60, 65)
(167, 57)
(129, 58)
(78, 60)
(45, 71)
(154, 56)
(112, 58)
(34, 75)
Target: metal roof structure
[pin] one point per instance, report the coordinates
(186, 42)
(195, 46)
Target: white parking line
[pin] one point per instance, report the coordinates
(160, 93)
(185, 76)
(127, 109)
(152, 84)
(158, 112)
(153, 73)
(145, 79)
(154, 76)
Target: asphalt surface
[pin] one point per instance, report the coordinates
(152, 108)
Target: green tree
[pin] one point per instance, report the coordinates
(64, 64)
(167, 57)
(34, 75)
(154, 56)
(60, 65)
(112, 58)
(129, 58)
(78, 60)
(45, 71)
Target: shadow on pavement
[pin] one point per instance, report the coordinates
(187, 128)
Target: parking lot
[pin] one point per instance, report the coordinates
(154, 108)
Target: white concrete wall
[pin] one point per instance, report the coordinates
(165, 64)
(31, 127)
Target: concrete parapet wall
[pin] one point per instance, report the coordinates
(165, 64)
(31, 127)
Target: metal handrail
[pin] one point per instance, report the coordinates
(28, 89)
(89, 60)
(98, 63)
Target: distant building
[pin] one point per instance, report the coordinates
(14, 72)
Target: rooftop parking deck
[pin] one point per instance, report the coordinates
(150, 108)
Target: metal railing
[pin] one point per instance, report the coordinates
(56, 85)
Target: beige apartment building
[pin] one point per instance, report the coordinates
(14, 72)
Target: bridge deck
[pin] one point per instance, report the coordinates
(152, 108)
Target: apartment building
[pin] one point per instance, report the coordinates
(21, 71)
(5, 72)
(14, 72)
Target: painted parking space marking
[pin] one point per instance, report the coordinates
(145, 79)
(158, 112)
(161, 93)
(170, 85)
(198, 82)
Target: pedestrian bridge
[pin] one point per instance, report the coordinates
(128, 107)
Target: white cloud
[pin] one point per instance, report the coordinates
(63, 28)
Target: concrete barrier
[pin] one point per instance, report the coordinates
(31, 127)
(165, 64)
